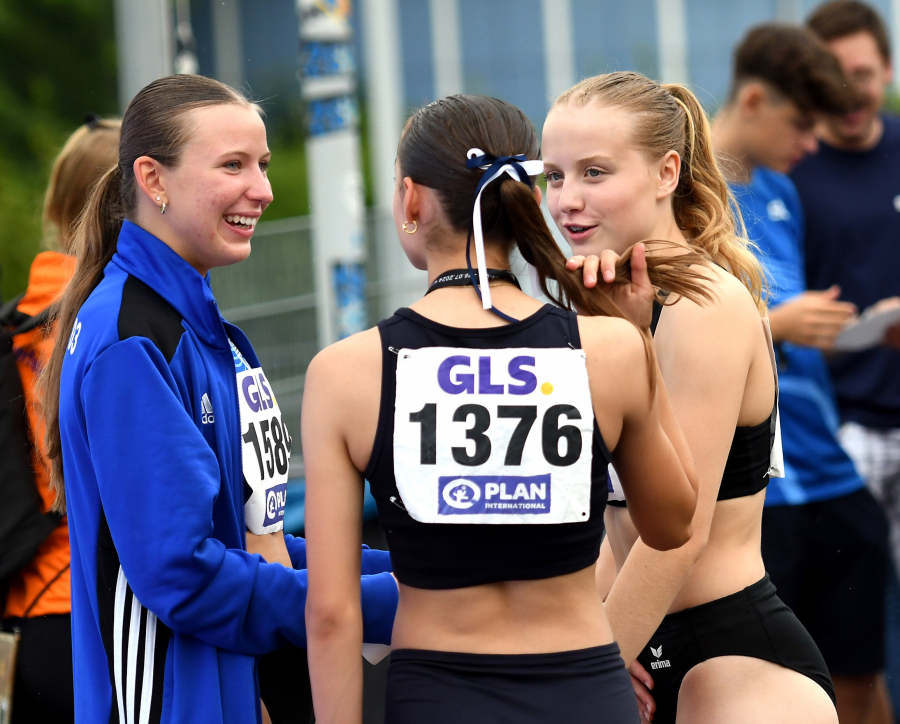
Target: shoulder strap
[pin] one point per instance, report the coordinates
(18, 322)
(38, 320)
(10, 316)
(657, 311)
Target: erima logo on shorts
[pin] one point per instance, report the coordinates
(664, 664)
(206, 408)
(276, 498)
(510, 494)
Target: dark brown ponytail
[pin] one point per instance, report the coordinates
(153, 125)
(433, 151)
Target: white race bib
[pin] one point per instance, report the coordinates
(614, 486)
(265, 450)
(493, 436)
(776, 454)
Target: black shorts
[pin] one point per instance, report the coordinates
(588, 686)
(752, 622)
(284, 686)
(830, 561)
(43, 689)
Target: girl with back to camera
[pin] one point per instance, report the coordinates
(628, 160)
(484, 426)
(156, 408)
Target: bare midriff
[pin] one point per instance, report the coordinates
(730, 562)
(563, 613)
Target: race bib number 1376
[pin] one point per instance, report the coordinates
(497, 436)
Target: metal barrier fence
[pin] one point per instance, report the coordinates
(272, 297)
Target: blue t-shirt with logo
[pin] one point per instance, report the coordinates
(816, 467)
(852, 204)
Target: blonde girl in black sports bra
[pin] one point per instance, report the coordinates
(629, 160)
(483, 421)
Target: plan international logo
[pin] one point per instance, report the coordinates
(510, 494)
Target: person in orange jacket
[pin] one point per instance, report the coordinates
(38, 601)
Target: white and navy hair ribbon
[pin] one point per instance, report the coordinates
(520, 169)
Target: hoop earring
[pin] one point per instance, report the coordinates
(162, 209)
(414, 229)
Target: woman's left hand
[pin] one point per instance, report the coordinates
(270, 546)
(634, 298)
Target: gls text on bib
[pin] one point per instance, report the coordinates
(265, 450)
(500, 436)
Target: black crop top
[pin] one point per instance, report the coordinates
(747, 467)
(442, 555)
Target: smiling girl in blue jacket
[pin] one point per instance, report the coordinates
(171, 439)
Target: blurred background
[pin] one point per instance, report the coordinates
(337, 80)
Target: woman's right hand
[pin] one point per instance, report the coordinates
(634, 298)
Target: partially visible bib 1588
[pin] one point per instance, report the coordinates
(497, 436)
(266, 452)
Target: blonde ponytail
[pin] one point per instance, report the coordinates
(670, 118)
(703, 205)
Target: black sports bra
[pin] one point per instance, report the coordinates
(442, 555)
(747, 467)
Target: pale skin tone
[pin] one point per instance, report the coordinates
(871, 73)
(221, 173)
(606, 194)
(759, 127)
(340, 415)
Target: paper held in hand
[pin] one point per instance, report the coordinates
(868, 331)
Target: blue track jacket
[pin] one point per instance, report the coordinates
(168, 609)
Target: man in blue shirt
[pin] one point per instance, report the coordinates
(824, 537)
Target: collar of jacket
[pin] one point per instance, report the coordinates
(143, 255)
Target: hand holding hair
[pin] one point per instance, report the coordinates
(629, 279)
(634, 296)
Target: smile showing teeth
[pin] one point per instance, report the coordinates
(577, 229)
(242, 222)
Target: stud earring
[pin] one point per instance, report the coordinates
(415, 227)
(157, 198)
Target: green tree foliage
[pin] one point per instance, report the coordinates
(57, 63)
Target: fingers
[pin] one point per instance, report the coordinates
(637, 669)
(608, 259)
(591, 264)
(646, 704)
(833, 292)
(639, 274)
(886, 304)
